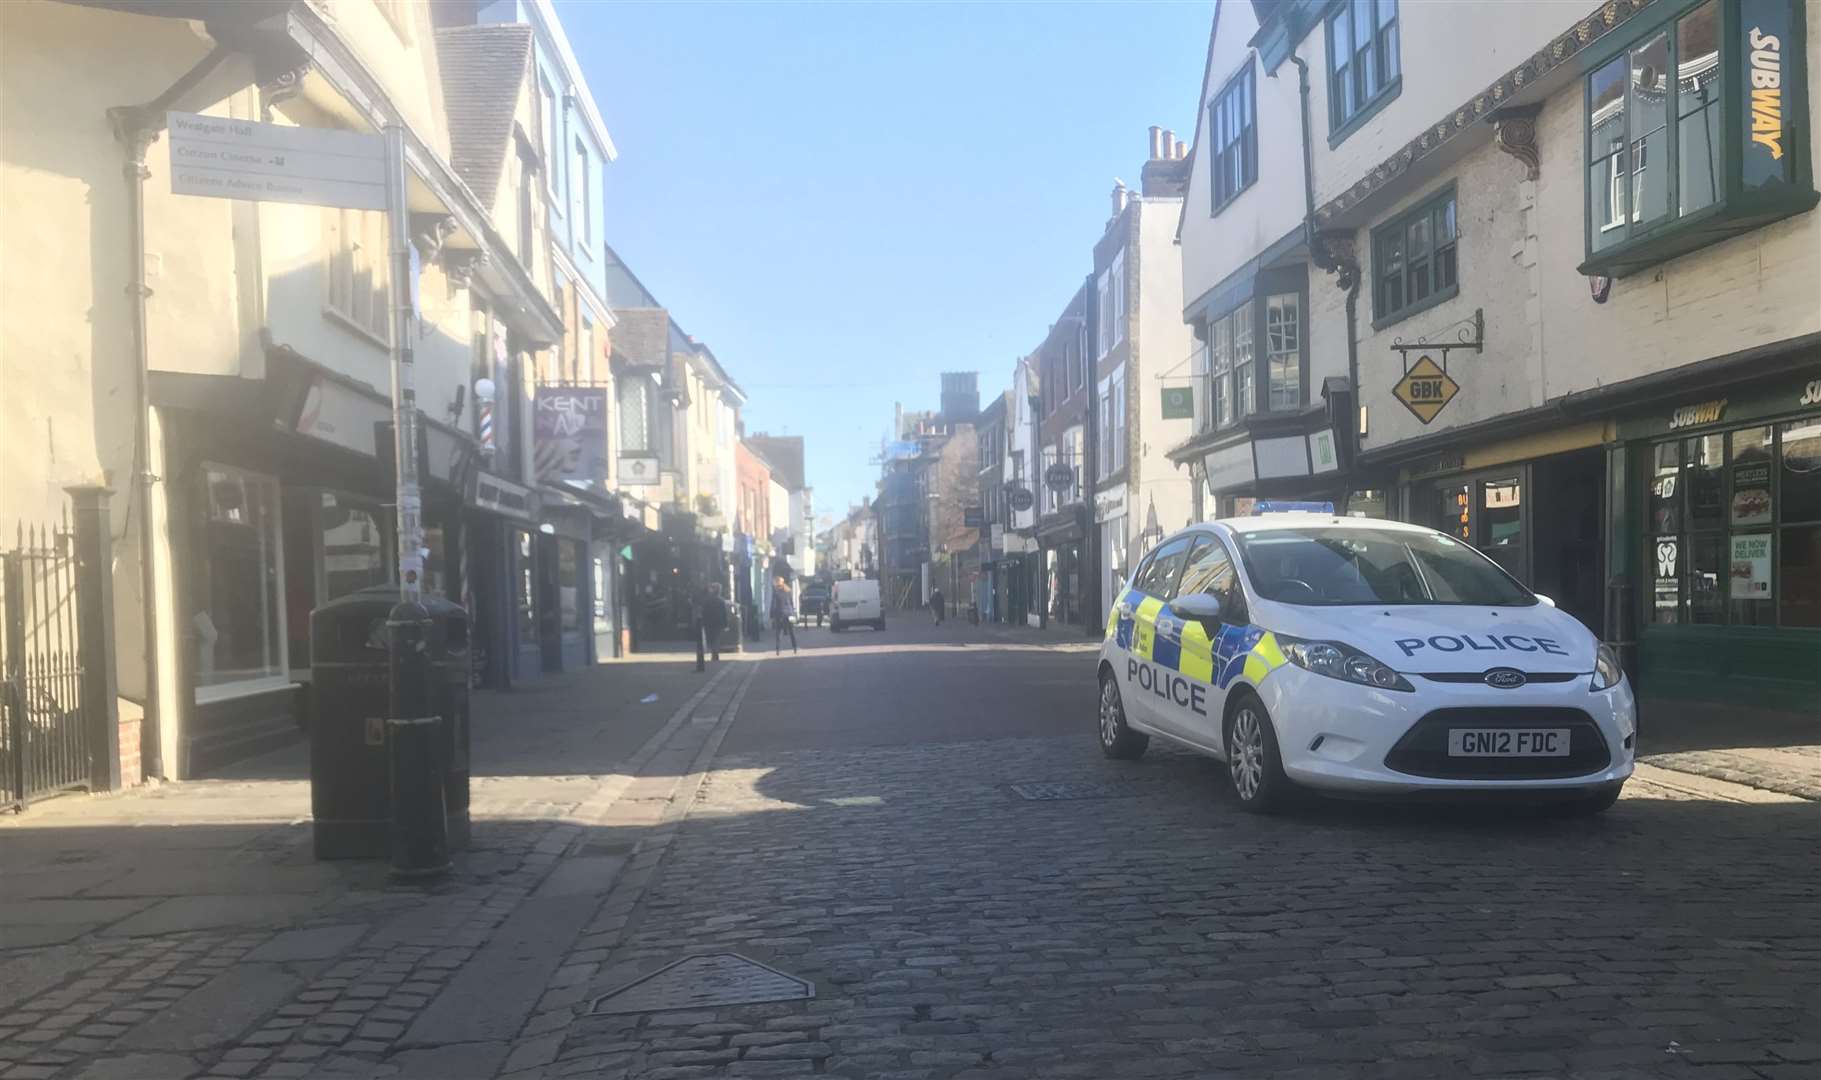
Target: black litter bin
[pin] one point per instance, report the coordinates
(350, 797)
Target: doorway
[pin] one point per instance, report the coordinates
(1567, 559)
(1539, 520)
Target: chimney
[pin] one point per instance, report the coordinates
(1182, 150)
(1157, 144)
(1169, 145)
(1119, 196)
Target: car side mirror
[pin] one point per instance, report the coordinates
(1544, 599)
(1199, 607)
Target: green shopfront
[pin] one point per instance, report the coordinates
(1723, 498)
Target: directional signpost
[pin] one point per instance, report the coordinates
(1425, 389)
(241, 159)
(224, 158)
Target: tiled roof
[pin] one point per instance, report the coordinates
(641, 339)
(483, 70)
(785, 453)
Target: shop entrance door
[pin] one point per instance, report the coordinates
(1555, 550)
(1566, 558)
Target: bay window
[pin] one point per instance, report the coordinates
(1695, 128)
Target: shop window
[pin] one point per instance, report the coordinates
(1681, 150)
(237, 618)
(1736, 527)
(353, 547)
(1799, 541)
(569, 585)
(526, 601)
(1414, 258)
(1367, 503)
(1452, 511)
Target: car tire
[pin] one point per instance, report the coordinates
(1117, 739)
(879, 625)
(1253, 762)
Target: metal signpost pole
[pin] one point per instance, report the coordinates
(420, 830)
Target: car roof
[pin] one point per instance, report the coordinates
(1287, 522)
(1294, 520)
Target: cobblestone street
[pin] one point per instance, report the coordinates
(919, 826)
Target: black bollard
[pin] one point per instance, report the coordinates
(701, 648)
(414, 745)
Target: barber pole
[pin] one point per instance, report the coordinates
(486, 421)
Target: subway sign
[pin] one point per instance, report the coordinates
(1769, 55)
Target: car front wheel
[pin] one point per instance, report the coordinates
(1253, 761)
(1117, 739)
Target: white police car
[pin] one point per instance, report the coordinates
(1365, 657)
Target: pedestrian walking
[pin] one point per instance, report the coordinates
(781, 622)
(936, 605)
(711, 619)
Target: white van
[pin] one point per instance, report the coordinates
(855, 601)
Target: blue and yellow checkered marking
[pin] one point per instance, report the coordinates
(1235, 650)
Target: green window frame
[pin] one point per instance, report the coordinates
(1365, 72)
(1233, 122)
(1671, 162)
(1415, 259)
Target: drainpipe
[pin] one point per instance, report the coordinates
(138, 127)
(1345, 266)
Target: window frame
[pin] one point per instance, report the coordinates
(1686, 531)
(579, 189)
(1117, 286)
(1430, 207)
(366, 254)
(275, 570)
(1342, 124)
(1244, 141)
(547, 101)
(1736, 209)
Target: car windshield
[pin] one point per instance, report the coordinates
(1341, 566)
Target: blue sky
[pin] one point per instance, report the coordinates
(845, 200)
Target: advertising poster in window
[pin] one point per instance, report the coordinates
(1667, 586)
(1751, 503)
(1751, 567)
(571, 431)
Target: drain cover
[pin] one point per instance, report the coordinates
(1054, 791)
(697, 981)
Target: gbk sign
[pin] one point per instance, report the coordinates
(570, 424)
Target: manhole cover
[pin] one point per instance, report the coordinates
(1053, 791)
(697, 981)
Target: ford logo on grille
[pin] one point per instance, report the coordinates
(1506, 678)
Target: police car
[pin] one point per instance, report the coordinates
(1360, 657)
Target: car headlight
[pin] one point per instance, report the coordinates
(1340, 661)
(1607, 672)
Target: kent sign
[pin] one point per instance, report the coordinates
(1425, 389)
(239, 159)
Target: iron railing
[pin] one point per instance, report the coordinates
(45, 729)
